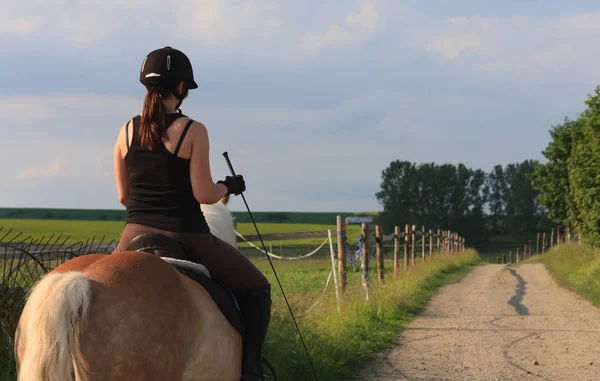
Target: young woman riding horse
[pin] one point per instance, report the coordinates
(163, 174)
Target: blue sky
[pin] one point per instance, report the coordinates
(312, 101)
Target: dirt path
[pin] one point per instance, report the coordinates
(499, 323)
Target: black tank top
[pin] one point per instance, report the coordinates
(160, 189)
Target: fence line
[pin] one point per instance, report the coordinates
(541, 245)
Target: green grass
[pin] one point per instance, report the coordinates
(340, 342)
(111, 230)
(574, 267)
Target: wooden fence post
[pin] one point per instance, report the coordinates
(537, 244)
(430, 243)
(544, 242)
(341, 243)
(438, 239)
(518, 254)
(423, 244)
(456, 247)
(379, 237)
(445, 247)
(568, 234)
(406, 244)
(498, 259)
(396, 248)
(365, 259)
(503, 258)
(510, 256)
(413, 245)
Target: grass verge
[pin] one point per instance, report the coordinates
(574, 267)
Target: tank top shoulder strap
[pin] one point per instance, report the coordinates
(183, 133)
(135, 123)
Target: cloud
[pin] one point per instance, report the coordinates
(451, 46)
(54, 169)
(218, 21)
(523, 47)
(55, 105)
(357, 26)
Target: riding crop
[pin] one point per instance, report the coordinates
(274, 272)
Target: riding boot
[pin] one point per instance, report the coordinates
(255, 307)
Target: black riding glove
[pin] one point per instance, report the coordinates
(235, 184)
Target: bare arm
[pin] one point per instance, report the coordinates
(121, 173)
(206, 191)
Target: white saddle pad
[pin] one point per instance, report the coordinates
(187, 265)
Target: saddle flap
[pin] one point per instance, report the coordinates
(157, 244)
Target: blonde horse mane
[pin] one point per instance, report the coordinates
(56, 308)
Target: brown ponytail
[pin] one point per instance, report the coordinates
(153, 123)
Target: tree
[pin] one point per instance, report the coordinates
(583, 166)
(438, 196)
(552, 178)
(496, 183)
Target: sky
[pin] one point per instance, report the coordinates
(312, 100)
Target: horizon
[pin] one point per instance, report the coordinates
(300, 96)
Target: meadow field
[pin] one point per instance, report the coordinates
(80, 231)
(339, 342)
(119, 215)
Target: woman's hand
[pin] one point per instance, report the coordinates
(235, 184)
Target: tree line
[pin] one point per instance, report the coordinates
(472, 202)
(516, 200)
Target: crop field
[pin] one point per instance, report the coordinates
(339, 341)
(80, 231)
(119, 215)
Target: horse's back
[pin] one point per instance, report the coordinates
(146, 321)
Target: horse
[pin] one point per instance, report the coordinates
(125, 316)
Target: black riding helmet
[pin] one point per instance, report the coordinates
(167, 67)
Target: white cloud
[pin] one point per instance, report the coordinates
(451, 46)
(358, 26)
(524, 47)
(218, 21)
(54, 169)
(85, 23)
(55, 105)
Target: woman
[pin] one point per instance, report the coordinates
(162, 172)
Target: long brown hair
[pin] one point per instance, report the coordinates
(153, 123)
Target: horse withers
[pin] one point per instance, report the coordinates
(124, 316)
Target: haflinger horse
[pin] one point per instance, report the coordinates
(124, 316)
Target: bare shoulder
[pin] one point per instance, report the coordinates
(198, 130)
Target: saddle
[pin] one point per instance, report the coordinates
(174, 253)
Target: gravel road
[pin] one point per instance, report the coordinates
(498, 323)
